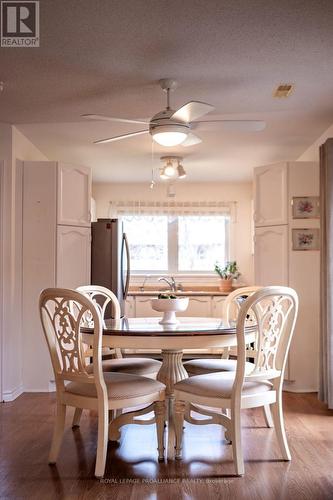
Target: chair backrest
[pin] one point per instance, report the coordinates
(275, 309)
(62, 313)
(233, 302)
(101, 297)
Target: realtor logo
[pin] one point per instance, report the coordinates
(19, 24)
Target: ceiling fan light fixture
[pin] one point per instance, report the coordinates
(181, 171)
(169, 139)
(169, 134)
(163, 175)
(172, 168)
(169, 169)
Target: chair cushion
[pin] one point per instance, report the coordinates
(119, 386)
(218, 385)
(203, 366)
(136, 366)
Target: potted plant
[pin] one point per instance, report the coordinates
(227, 274)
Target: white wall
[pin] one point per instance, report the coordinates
(14, 147)
(312, 153)
(103, 193)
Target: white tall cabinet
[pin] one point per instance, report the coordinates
(56, 250)
(276, 263)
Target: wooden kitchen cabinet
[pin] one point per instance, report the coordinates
(73, 256)
(276, 263)
(143, 307)
(198, 306)
(270, 195)
(74, 195)
(130, 307)
(54, 255)
(271, 255)
(217, 306)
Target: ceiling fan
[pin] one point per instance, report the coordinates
(172, 128)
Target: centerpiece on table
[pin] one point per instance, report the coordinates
(227, 274)
(169, 304)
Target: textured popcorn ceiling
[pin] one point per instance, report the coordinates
(106, 56)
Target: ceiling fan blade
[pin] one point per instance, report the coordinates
(191, 140)
(192, 111)
(112, 119)
(233, 125)
(120, 137)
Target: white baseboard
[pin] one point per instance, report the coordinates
(38, 389)
(52, 386)
(13, 394)
(288, 387)
(47, 386)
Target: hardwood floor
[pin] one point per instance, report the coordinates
(133, 473)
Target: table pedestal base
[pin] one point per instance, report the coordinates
(171, 372)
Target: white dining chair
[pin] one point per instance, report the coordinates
(63, 312)
(231, 308)
(102, 297)
(275, 310)
(147, 367)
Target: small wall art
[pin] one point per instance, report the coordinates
(305, 207)
(305, 239)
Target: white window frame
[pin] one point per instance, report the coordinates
(173, 251)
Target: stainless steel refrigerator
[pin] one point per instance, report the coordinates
(110, 259)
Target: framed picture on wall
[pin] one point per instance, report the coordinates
(305, 239)
(305, 207)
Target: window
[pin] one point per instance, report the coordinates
(148, 242)
(201, 242)
(185, 244)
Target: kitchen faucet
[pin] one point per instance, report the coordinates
(170, 281)
(142, 287)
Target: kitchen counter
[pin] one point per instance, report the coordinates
(185, 293)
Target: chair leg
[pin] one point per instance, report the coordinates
(58, 432)
(102, 441)
(159, 410)
(179, 413)
(237, 442)
(268, 416)
(278, 420)
(77, 417)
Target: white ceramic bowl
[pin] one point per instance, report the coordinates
(169, 307)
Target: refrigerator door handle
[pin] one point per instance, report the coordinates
(125, 241)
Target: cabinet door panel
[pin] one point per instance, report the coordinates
(74, 195)
(198, 306)
(143, 307)
(270, 195)
(130, 307)
(73, 256)
(217, 306)
(271, 256)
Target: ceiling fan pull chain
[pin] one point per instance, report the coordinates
(152, 182)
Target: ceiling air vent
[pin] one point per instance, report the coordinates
(283, 90)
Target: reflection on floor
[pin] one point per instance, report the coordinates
(132, 472)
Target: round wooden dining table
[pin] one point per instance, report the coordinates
(172, 340)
